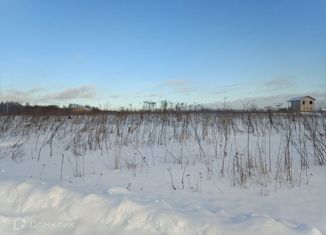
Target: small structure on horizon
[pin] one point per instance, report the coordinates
(302, 104)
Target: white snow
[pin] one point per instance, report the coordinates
(150, 206)
(140, 200)
(44, 209)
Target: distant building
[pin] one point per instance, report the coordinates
(302, 104)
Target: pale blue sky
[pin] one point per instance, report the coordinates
(125, 52)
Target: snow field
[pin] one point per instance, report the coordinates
(189, 174)
(40, 206)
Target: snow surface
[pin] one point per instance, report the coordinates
(136, 199)
(116, 202)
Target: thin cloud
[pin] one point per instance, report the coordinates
(175, 83)
(179, 86)
(35, 90)
(38, 95)
(149, 95)
(219, 92)
(233, 85)
(82, 92)
(21, 96)
(114, 96)
(120, 96)
(279, 83)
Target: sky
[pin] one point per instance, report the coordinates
(121, 53)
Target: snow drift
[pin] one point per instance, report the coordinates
(34, 208)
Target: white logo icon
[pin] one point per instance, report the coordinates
(19, 224)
